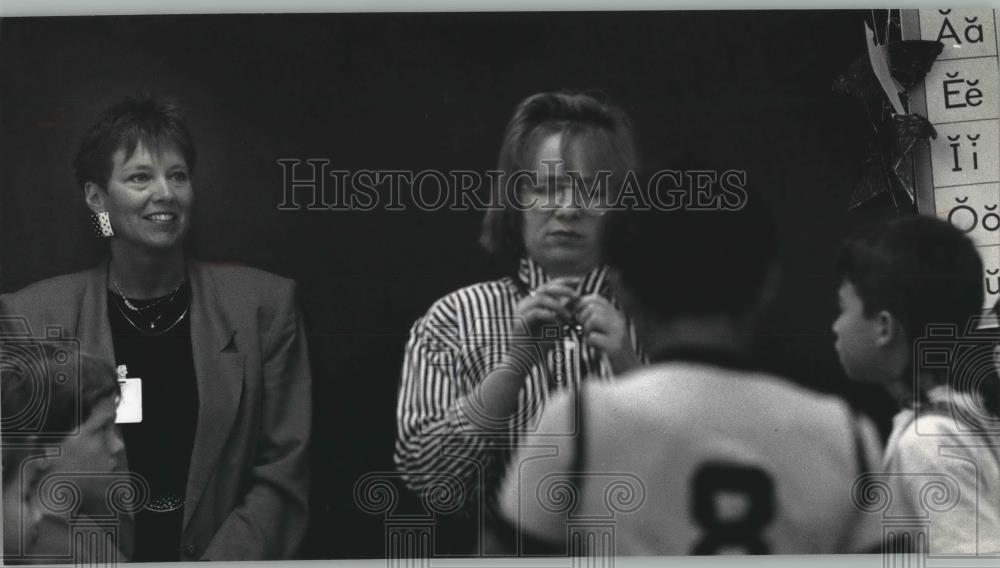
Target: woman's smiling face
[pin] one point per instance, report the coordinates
(148, 198)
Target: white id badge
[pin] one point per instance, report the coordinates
(129, 409)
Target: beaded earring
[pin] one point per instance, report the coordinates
(102, 225)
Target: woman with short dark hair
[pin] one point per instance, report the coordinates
(216, 399)
(482, 361)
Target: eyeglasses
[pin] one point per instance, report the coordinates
(591, 200)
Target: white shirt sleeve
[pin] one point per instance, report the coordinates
(950, 479)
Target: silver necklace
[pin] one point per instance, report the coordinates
(152, 324)
(137, 309)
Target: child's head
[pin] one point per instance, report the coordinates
(689, 263)
(51, 399)
(896, 279)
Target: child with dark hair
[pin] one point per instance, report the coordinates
(58, 411)
(914, 280)
(700, 452)
(898, 278)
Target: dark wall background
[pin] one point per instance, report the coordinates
(408, 91)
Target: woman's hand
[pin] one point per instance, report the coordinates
(495, 399)
(551, 304)
(605, 328)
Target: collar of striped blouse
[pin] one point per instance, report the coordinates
(531, 275)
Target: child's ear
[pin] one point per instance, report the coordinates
(769, 288)
(887, 328)
(34, 471)
(34, 474)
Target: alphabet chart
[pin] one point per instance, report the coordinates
(958, 174)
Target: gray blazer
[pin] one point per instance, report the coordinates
(247, 489)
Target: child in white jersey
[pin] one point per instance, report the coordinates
(700, 452)
(910, 297)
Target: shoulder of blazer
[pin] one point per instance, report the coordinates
(247, 296)
(244, 280)
(52, 293)
(239, 289)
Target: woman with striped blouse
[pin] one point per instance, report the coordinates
(481, 362)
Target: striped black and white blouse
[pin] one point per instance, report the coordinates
(451, 349)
